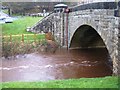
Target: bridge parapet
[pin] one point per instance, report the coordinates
(43, 25)
(52, 23)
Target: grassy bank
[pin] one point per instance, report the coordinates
(106, 82)
(16, 40)
(19, 26)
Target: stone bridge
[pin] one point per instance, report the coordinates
(93, 25)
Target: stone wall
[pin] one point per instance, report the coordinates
(104, 22)
(52, 23)
(45, 25)
(119, 48)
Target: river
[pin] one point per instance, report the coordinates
(63, 64)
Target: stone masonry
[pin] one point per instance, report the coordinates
(106, 25)
(64, 25)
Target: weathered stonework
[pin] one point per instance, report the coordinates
(106, 25)
(119, 47)
(63, 26)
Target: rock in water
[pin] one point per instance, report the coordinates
(49, 46)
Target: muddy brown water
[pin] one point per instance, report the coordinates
(64, 64)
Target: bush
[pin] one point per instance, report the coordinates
(12, 49)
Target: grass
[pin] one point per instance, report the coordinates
(15, 36)
(105, 82)
(19, 26)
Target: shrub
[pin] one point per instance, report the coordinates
(18, 48)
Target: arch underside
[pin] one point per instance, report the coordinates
(86, 37)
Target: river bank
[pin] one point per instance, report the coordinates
(104, 82)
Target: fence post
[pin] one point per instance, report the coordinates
(35, 38)
(22, 37)
(10, 43)
(10, 38)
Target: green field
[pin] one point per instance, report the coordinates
(19, 26)
(105, 82)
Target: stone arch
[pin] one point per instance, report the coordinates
(86, 37)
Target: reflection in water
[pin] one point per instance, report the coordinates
(63, 64)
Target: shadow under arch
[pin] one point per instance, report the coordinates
(86, 37)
